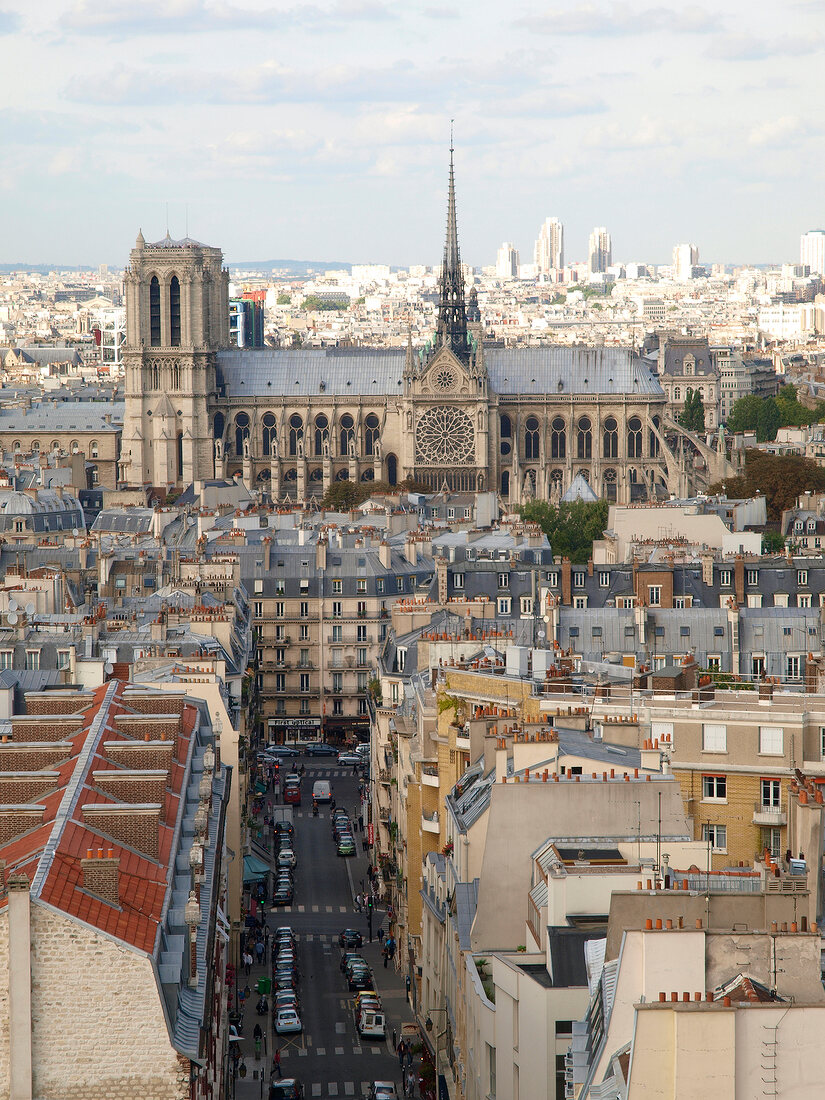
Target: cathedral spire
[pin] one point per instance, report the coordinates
(452, 315)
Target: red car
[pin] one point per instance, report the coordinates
(292, 794)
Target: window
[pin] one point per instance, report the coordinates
(174, 312)
(531, 438)
(714, 738)
(526, 605)
(280, 706)
(793, 666)
(337, 683)
(491, 1070)
(337, 707)
(336, 633)
(280, 682)
(304, 709)
(337, 609)
(303, 632)
(304, 681)
(337, 588)
(347, 434)
(361, 633)
(379, 585)
(280, 655)
(7, 657)
(584, 438)
(154, 312)
(94, 450)
(553, 580)
(362, 609)
(504, 580)
(771, 740)
(258, 609)
(370, 434)
(634, 437)
(280, 609)
(610, 438)
(296, 433)
(458, 580)
(802, 577)
(654, 595)
(399, 583)
(241, 432)
(304, 658)
(468, 512)
(772, 840)
(753, 576)
(771, 794)
(394, 692)
(451, 513)
(361, 656)
(361, 681)
(714, 662)
(714, 787)
(716, 836)
(361, 584)
(580, 602)
(579, 580)
(604, 580)
(303, 609)
(504, 605)
(724, 578)
(803, 600)
(558, 439)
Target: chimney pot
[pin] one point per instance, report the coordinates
(658, 923)
(685, 996)
(648, 924)
(662, 998)
(726, 1002)
(674, 997)
(668, 923)
(709, 996)
(698, 922)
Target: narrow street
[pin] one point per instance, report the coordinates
(328, 1057)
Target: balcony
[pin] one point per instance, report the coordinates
(771, 816)
(384, 816)
(429, 776)
(384, 776)
(430, 824)
(462, 742)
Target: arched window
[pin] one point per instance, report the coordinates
(368, 475)
(316, 474)
(342, 475)
(610, 438)
(241, 431)
(654, 440)
(174, 312)
(321, 434)
(16, 445)
(558, 439)
(609, 491)
(677, 393)
(93, 449)
(505, 483)
(370, 434)
(506, 433)
(296, 433)
(180, 454)
(36, 446)
(584, 438)
(218, 425)
(347, 433)
(176, 377)
(54, 445)
(74, 447)
(531, 438)
(268, 437)
(155, 376)
(392, 469)
(154, 312)
(634, 437)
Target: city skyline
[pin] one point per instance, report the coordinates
(327, 152)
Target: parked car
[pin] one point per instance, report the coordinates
(320, 748)
(286, 1088)
(349, 759)
(282, 750)
(382, 1090)
(371, 1023)
(349, 956)
(286, 857)
(346, 846)
(350, 937)
(287, 1022)
(361, 978)
(282, 896)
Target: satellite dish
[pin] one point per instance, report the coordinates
(30, 609)
(12, 618)
(108, 668)
(13, 604)
(542, 634)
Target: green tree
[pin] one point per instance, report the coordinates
(692, 415)
(283, 299)
(768, 421)
(744, 416)
(781, 478)
(772, 542)
(571, 527)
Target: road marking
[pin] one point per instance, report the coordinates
(329, 908)
(315, 909)
(333, 1088)
(340, 1028)
(309, 937)
(320, 1051)
(375, 1050)
(349, 1088)
(356, 1050)
(365, 1087)
(342, 909)
(302, 1053)
(302, 908)
(316, 1090)
(339, 1050)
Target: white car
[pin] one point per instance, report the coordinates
(287, 1022)
(286, 857)
(383, 1090)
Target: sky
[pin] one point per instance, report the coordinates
(319, 130)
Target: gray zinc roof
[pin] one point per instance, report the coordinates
(68, 416)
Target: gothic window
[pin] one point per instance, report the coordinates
(155, 376)
(444, 436)
(654, 441)
(558, 439)
(241, 431)
(342, 475)
(218, 425)
(176, 377)
(505, 483)
(677, 393)
(610, 438)
(370, 434)
(296, 433)
(392, 469)
(584, 439)
(269, 438)
(316, 474)
(634, 437)
(610, 485)
(368, 475)
(347, 434)
(556, 479)
(321, 434)
(531, 438)
(174, 312)
(291, 474)
(154, 312)
(180, 454)
(506, 433)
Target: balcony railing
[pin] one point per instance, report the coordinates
(766, 814)
(430, 824)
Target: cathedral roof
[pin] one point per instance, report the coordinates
(305, 372)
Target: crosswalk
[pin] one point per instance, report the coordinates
(340, 1088)
(311, 909)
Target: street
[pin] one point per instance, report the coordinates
(328, 1057)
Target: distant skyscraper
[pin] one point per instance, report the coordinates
(685, 258)
(600, 252)
(812, 251)
(548, 253)
(507, 261)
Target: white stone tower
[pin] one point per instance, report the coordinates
(177, 317)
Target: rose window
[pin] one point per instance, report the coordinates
(444, 379)
(444, 436)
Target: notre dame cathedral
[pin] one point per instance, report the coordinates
(522, 421)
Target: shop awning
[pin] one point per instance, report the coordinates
(254, 869)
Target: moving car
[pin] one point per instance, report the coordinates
(319, 748)
(287, 1021)
(349, 938)
(286, 1088)
(292, 794)
(349, 758)
(321, 790)
(282, 750)
(382, 1090)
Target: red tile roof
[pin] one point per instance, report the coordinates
(55, 849)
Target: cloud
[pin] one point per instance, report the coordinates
(9, 22)
(777, 132)
(737, 47)
(648, 133)
(27, 127)
(124, 19)
(619, 20)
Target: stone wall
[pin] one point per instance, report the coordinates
(98, 1028)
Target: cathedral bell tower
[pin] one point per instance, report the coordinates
(177, 317)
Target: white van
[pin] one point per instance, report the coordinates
(371, 1024)
(321, 790)
(363, 749)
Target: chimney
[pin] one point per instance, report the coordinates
(385, 554)
(739, 580)
(441, 573)
(267, 548)
(321, 554)
(566, 582)
(411, 549)
(101, 875)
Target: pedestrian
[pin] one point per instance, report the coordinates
(386, 955)
(247, 962)
(357, 903)
(394, 1039)
(408, 1054)
(410, 1083)
(380, 933)
(259, 951)
(360, 823)
(402, 1050)
(276, 1062)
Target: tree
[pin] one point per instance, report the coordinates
(571, 527)
(283, 300)
(692, 416)
(781, 478)
(772, 542)
(744, 415)
(768, 421)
